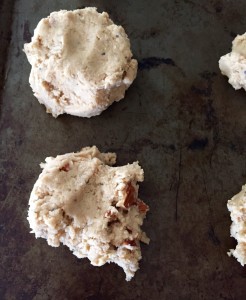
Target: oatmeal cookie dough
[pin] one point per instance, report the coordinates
(83, 202)
(237, 208)
(81, 62)
(233, 64)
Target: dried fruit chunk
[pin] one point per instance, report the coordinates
(130, 196)
(143, 208)
(131, 199)
(65, 168)
(130, 242)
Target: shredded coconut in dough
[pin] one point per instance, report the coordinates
(81, 62)
(83, 202)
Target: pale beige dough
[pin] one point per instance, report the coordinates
(237, 208)
(83, 202)
(233, 64)
(81, 62)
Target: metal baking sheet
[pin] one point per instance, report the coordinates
(180, 119)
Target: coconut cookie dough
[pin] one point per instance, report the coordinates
(83, 202)
(237, 208)
(81, 62)
(233, 64)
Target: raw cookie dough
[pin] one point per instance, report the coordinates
(83, 202)
(81, 62)
(233, 64)
(237, 207)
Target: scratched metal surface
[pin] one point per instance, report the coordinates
(181, 120)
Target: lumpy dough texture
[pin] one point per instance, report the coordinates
(237, 208)
(83, 202)
(81, 62)
(233, 64)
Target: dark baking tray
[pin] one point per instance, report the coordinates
(181, 120)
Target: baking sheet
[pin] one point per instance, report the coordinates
(180, 119)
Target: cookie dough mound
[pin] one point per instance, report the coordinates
(233, 64)
(83, 202)
(81, 62)
(237, 207)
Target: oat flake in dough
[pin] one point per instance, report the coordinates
(233, 64)
(237, 208)
(83, 202)
(81, 62)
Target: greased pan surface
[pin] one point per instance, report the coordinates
(181, 120)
